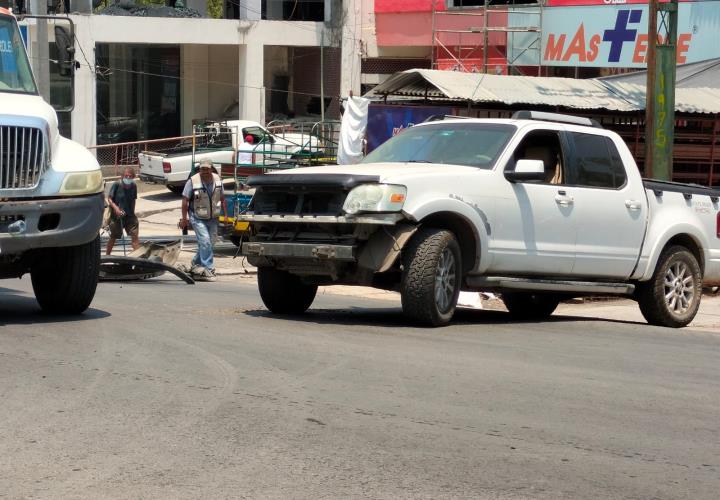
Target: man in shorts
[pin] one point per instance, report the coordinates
(121, 201)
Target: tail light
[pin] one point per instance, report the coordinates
(167, 167)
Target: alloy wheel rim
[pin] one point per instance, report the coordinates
(679, 288)
(445, 280)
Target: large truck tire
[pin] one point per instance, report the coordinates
(432, 274)
(64, 279)
(672, 296)
(530, 306)
(284, 293)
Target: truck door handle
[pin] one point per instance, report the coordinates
(563, 200)
(633, 204)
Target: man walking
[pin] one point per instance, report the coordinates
(121, 201)
(202, 197)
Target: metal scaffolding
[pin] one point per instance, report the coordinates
(467, 44)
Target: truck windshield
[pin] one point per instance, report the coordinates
(471, 144)
(15, 74)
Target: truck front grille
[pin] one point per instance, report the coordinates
(22, 156)
(298, 202)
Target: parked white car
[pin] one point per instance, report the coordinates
(219, 142)
(540, 208)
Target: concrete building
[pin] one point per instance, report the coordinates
(139, 77)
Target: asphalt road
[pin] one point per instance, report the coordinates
(165, 390)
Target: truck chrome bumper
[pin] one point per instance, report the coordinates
(44, 223)
(300, 250)
(152, 179)
(381, 219)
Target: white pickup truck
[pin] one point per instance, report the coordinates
(219, 142)
(540, 208)
(51, 199)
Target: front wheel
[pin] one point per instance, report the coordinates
(672, 296)
(284, 293)
(64, 279)
(530, 306)
(431, 277)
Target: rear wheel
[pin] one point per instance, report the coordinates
(284, 293)
(524, 305)
(431, 277)
(64, 279)
(672, 296)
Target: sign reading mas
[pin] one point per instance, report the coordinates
(616, 36)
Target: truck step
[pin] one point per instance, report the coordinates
(551, 285)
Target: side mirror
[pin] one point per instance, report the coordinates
(526, 170)
(66, 51)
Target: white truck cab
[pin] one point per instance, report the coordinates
(540, 208)
(51, 199)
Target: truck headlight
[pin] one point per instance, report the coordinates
(375, 198)
(82, 183)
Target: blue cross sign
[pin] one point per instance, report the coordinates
(620, 33)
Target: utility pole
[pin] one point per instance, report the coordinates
(660, 93)
(322, 75)
(485, 36)
(41, 52)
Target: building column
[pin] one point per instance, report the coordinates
(83, 116)
(251, 97)
(350, 52)
(194, 93)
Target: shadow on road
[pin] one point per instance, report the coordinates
(393, 317)
(17, 308)
(162, 196)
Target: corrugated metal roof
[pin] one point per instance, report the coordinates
(691, 75)
(592, 93)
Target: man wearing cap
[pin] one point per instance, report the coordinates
(202, 198)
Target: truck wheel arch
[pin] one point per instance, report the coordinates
(674, 236)
(465, 233)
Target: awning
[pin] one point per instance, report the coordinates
(594, 93)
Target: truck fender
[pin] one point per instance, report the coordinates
(470, 213)
(650, 260)
(382, 249)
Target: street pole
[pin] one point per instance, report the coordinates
(485, 37)
(322, 75)
(41, 54)
(660, 94)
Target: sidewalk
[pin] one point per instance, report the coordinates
(159, 211)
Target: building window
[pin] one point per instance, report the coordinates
(293, 10)
(138, 92)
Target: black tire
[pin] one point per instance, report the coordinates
(235, 240)
(432, 275)
(64, 279)
(175, 189)
(530, 306)
(672, 296)
(284, 293)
